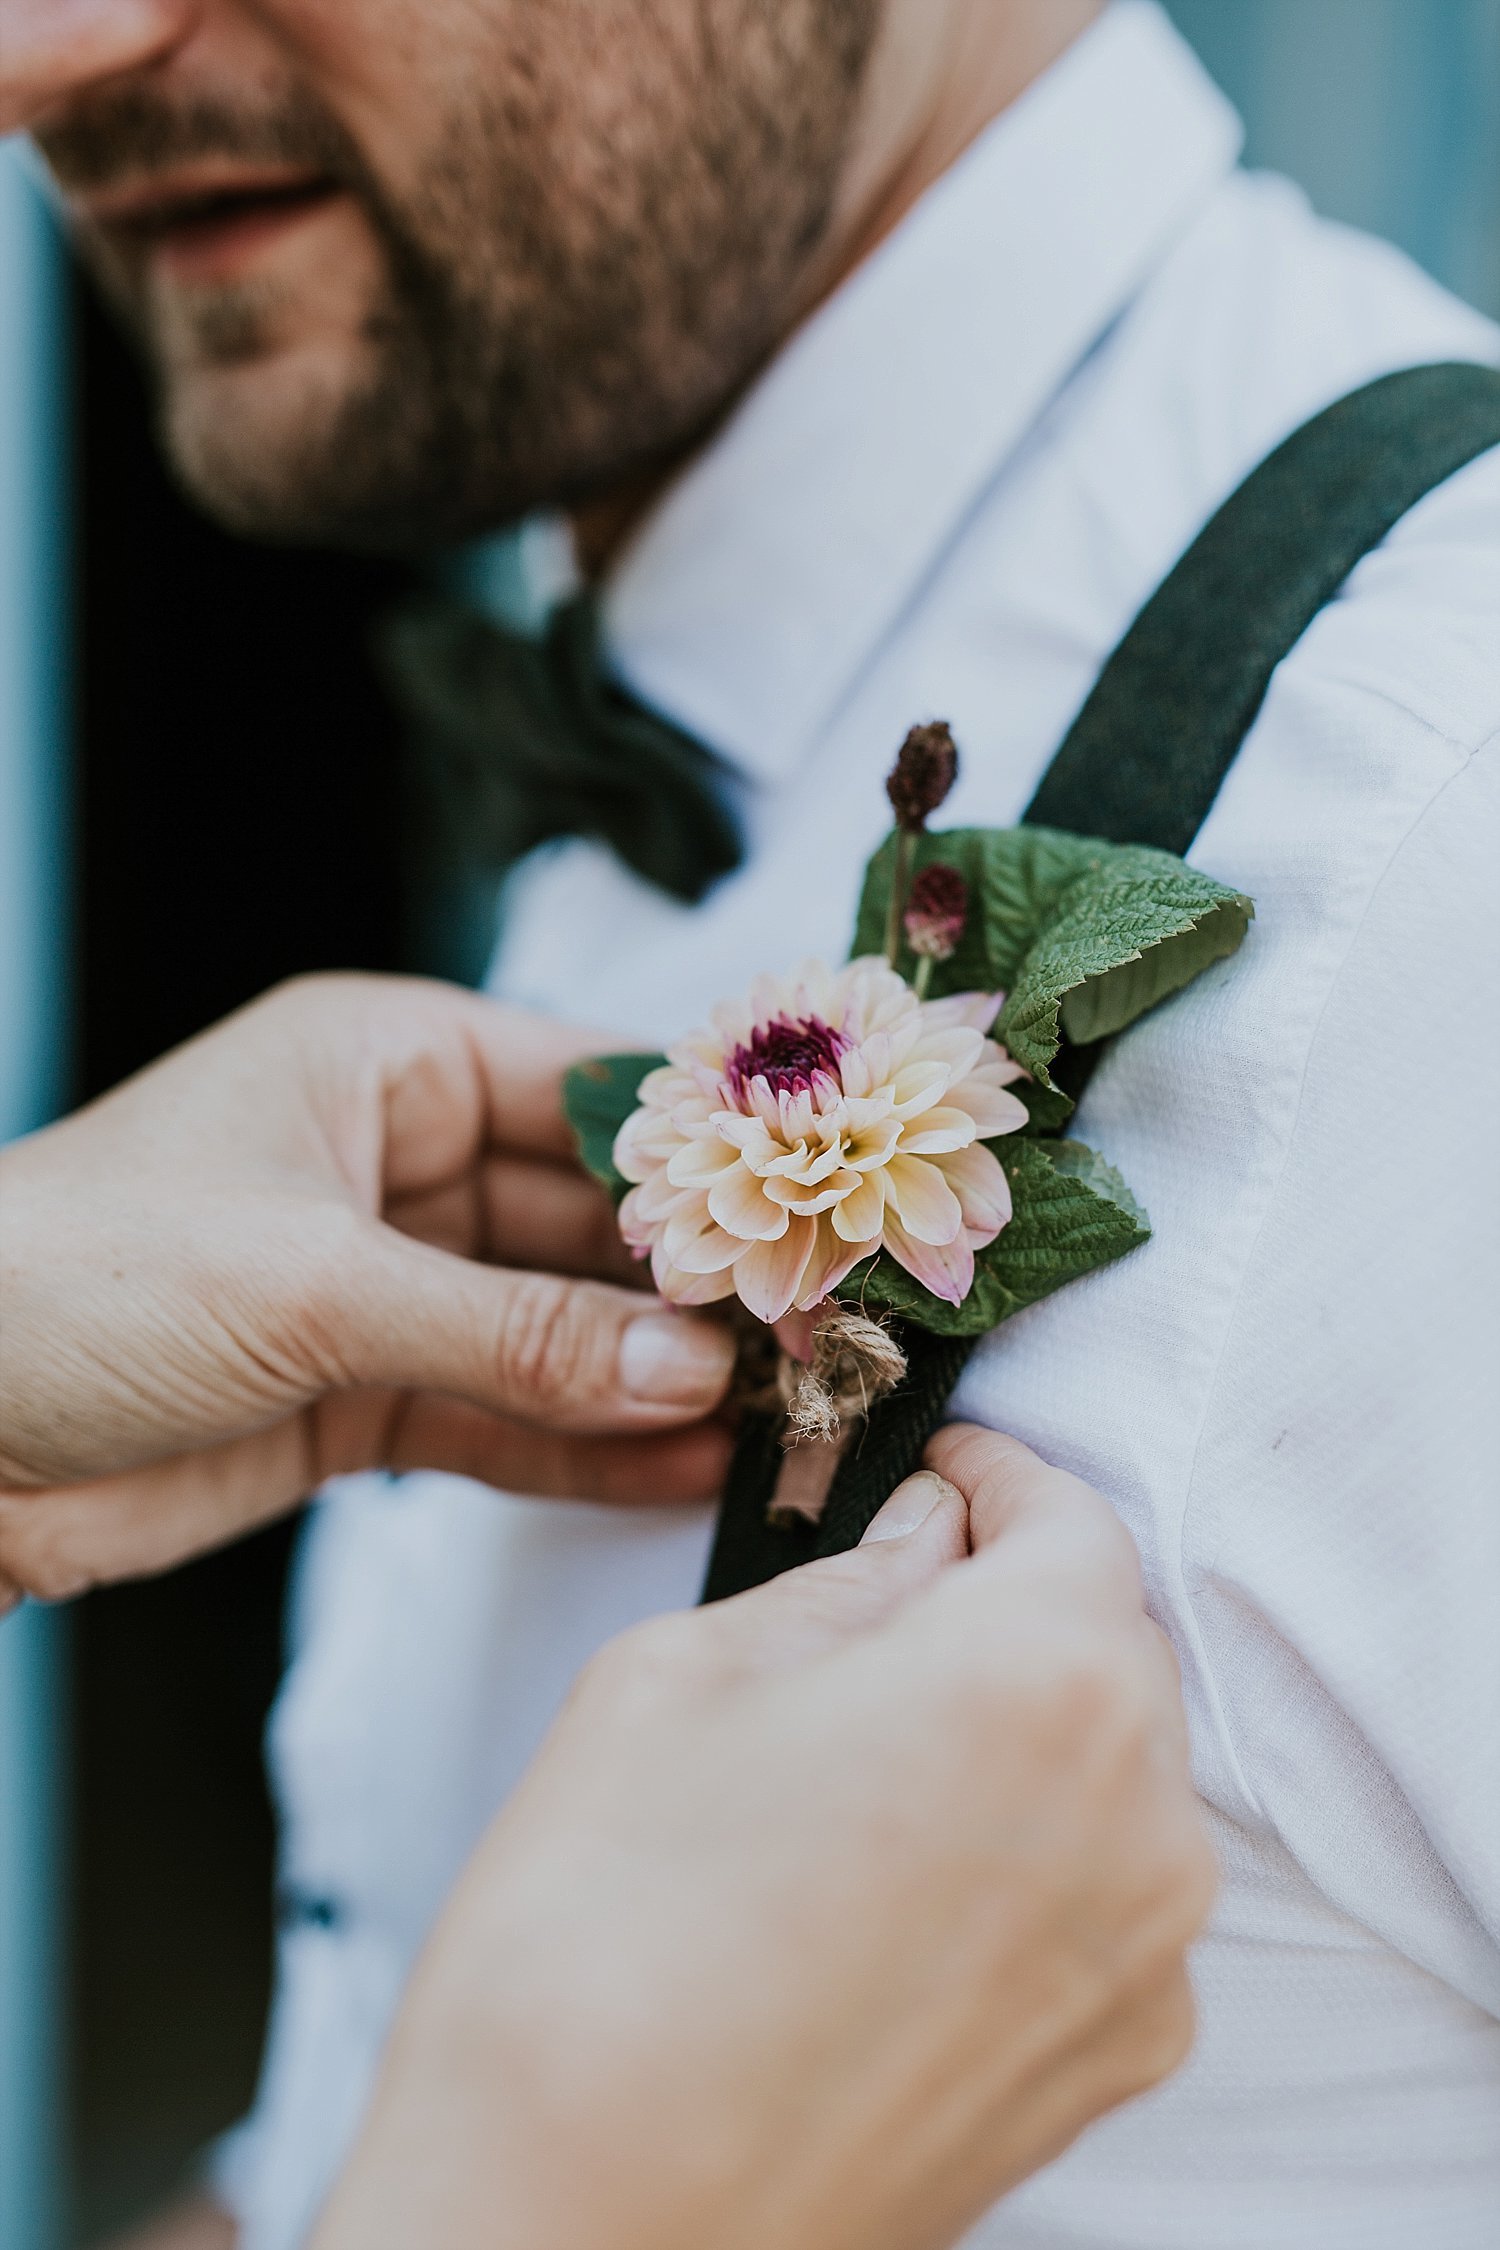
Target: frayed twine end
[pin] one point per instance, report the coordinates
(855, 1361)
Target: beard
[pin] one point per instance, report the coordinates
(600, 244)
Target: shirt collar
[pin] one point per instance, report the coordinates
(759, 586)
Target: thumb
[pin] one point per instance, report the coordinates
(565, 1355)
(920, 1532)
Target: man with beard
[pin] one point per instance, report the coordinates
(881, 357)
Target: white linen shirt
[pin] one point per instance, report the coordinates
(949, 496)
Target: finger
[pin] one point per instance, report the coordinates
(556, 1220)
(921, 1531)
(659, 1471)
(1025, 1515)
(56, 1543)
(910, 1505)
(520, 1211)
(570, 1355)
(454, 1072)
(522, 1059)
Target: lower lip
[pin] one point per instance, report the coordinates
(218, 247)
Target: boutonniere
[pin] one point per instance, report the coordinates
(856, 1159)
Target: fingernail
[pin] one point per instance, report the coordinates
(666, 1360)
(910, 1505)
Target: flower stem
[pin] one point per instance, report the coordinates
(906, 844)
(921, 983)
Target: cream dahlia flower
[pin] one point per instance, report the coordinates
(830, 1115)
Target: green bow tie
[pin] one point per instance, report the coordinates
(523, 740)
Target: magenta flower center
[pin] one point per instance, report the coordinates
(786, 1053)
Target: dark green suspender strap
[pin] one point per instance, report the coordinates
(1143, 761)
(1142, 764)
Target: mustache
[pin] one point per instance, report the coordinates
(133, 130)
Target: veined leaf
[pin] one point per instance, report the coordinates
(1048, 1107)
(1083, 936)
(964, 848)
(598, 1096)
(1072, 1214)
(1015, 878)
(1125, 936)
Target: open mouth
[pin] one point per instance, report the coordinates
(214, 227)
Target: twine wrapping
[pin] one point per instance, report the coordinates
(817, 1404)
(855, 1360)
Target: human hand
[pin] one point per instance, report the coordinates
(258, 1264)
(824, 1915)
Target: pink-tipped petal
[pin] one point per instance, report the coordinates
(938, 1130)
(999, 1068)
(769, 1274)
(957, 1047)
(978, 1179)
(861, 1214)
(680, 1288)
(993, 1110)
(922, 1200)
(697, 1164)
(919, 1086)
(830, 1262)
(694, 1243)
(742, 1207)
(947, 1269)
(976, 1009)
(855, 1074)
(656, 1200)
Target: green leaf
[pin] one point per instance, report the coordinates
(1015, 876)
(963, 848)
(1131, 931)
(1048, 1107)
(598, 1096)
(1072, 1214)
(1083, 936)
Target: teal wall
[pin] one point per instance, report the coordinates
(33, 1053)
(1386, 111)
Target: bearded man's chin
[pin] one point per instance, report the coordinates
(284, 448)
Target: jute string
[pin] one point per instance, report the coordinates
(855, 1361)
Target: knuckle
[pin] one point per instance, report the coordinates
(548, 1343)
(308, 1293)
(315, 1006)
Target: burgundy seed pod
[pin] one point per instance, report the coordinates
(922, 776)
(936, 912)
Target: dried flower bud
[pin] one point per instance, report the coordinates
(936, 912)
(922, 776)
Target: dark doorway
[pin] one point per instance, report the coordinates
(236, 823)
